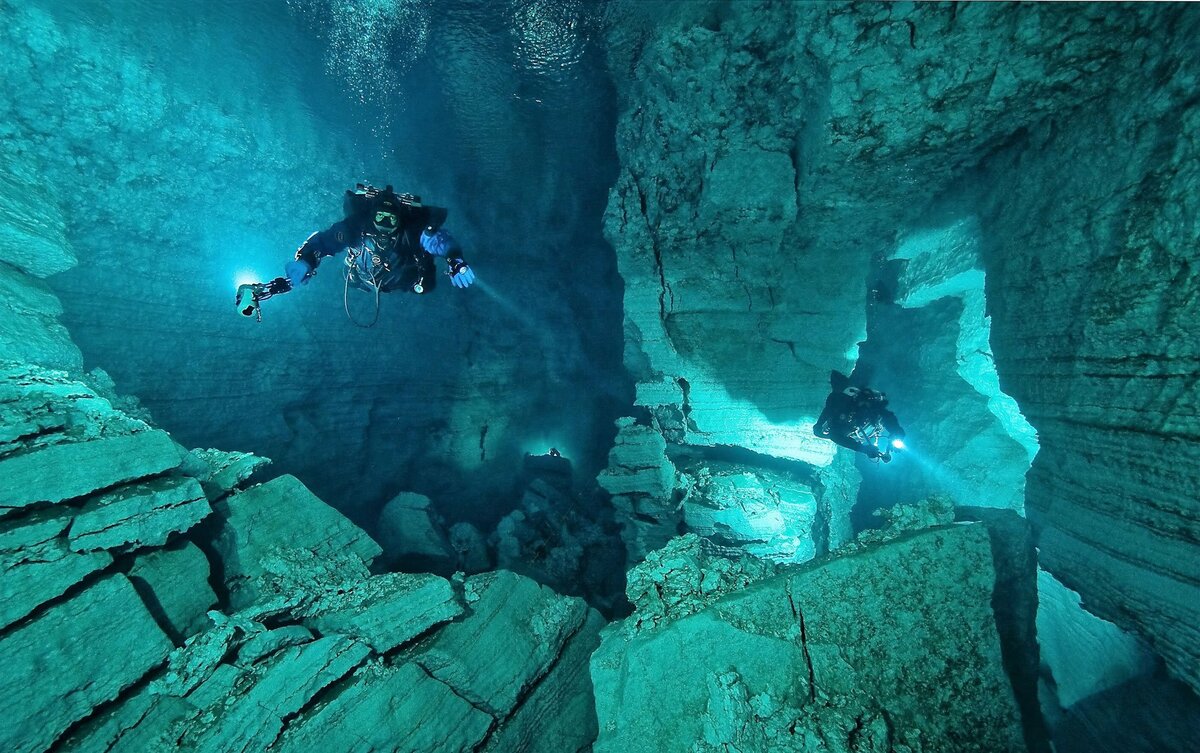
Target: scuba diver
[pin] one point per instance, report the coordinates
(390, 240)
(856, 417)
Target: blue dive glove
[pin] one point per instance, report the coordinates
(298, 271)
(461, 276)
(438, 242)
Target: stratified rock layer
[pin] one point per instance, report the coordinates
(894, 645)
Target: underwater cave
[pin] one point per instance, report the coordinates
(599, 375)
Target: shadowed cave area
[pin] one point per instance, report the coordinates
(580, 499)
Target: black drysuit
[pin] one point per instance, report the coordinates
(849, 409)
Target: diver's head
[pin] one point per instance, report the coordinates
(386, 216)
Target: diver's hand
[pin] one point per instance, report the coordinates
(298, 271)
(461, 275)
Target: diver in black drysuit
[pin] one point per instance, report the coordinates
(390, 241)
(851, 415)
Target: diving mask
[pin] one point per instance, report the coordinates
(386, 222)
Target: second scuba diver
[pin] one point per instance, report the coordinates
(855, 418)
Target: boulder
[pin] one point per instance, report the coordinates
(36, 565)
(894, 645)
(767, 514)
(410, 536)
(385, 710)
(513, 634)
(470, 548)
(685, 576)
(387, 610)
(280, 515)
(559, 715)
(252, 716)
(221, 472)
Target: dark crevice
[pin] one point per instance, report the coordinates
(798, 616)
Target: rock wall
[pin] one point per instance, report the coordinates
(1093, 292)
(769, 172)
(995, 201)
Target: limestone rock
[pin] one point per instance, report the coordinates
(1093, 321)
(766, 514)
(1147, 715)
(252, 717)
(30, 218)
(1083, 654)
(41, 408)
(29, 327)
(221, 472)
(642, 481)
(173, 583)
(139, 515)
(66, 471)
(387, 610)
(971, 437)
(60, 666)
(684, 577)
(508, 641)
(559, 715)
(410, 536)
(141, 722)
(280, 515)
(36, 565)
(901, 519)
(470, 548)
(390, 709)
(895, 645)
(263, 644)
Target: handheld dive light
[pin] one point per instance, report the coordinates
(246, 301)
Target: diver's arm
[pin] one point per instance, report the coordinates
(889, 421)
(316, 247)
(439, 242)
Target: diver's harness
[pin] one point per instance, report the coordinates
(360, 199)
